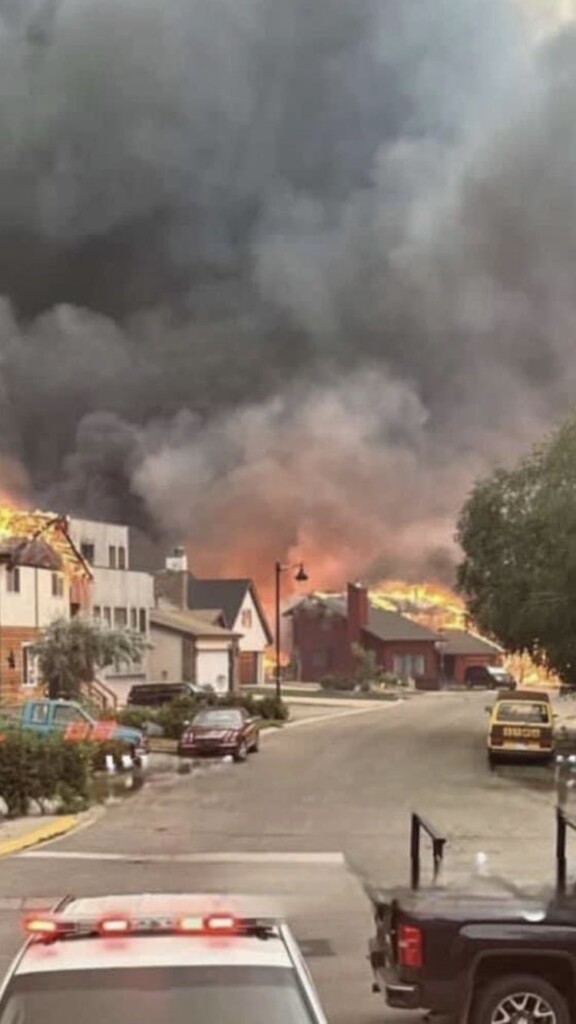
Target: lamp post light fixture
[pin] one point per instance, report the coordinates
(301, 576)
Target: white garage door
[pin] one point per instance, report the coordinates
(213, 667)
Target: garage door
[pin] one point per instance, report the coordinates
(248, 668)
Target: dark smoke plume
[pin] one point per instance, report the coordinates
(282, 275)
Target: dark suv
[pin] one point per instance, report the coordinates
(155, 695)
(488, 677)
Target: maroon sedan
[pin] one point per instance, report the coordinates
(220, 731)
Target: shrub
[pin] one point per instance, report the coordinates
(42, 769)
(173, 716)
(135, 718)
(338, 683)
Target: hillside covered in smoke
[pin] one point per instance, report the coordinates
(282, 275)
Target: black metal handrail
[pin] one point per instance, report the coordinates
(563, 823)
(419, 825)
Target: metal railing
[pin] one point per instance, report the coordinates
(417, 826)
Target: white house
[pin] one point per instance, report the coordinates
(119, 597)
(189, 648)
(233, 604)
(42, 578)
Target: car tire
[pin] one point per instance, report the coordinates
(492, 761)
(241, 751)
(255, 746)
(512, 992)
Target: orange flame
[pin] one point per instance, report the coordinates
(16, 521)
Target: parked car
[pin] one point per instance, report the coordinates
(47, 717)
(521, 727)
(221, 731)
(175, 958)
(488, 677)
(155, 695)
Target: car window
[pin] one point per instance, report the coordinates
(522, 711)
(39, 713)
(174, 995)
(64, 715)
(225, 718)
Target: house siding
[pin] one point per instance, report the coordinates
(321, 647)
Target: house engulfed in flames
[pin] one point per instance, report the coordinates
(42, 577)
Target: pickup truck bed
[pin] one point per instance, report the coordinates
(492, 955)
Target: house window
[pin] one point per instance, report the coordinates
(87, 552)
(13, 580)
(408, 666)
(246, 618)
(120, 618)
(121, 558)
(29, 666)
(96, 613)
(106, 616)
(112, 557)
(142, 624)
(134, 619)
(57, 585)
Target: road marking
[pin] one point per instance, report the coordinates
(329, 859)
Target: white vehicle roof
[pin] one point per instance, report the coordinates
(155, 950)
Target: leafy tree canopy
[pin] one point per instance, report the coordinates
(70, 652)
(518, 534)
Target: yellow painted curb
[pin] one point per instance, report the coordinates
(39, 835)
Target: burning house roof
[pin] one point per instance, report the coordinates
(40, 540)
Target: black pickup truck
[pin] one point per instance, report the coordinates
(494, 956)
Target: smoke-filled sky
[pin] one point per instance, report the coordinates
(281, 277)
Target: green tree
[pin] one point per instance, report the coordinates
(518, 534)
(70, 652)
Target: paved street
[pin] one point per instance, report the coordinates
(325, 800)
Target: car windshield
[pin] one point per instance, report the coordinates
(226, 719)
(173, 995)
(523, 711)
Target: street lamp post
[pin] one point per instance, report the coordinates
(441, 645)
(300, 576)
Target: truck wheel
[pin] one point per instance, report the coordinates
(492, 762)
(520, 997)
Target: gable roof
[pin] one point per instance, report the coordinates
(226, 595)
(386, 625)
(179, 621)
(459, 641)
(382, 624)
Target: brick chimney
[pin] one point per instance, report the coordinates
(171, 584)
(357, 611)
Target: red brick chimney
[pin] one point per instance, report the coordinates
(357, 611)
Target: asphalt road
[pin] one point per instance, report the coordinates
(325, 803)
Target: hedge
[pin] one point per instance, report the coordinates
(40, 769)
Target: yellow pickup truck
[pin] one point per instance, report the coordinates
(521, 727)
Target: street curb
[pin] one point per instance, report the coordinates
(40, 834)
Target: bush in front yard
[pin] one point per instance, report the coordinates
(41, 769)
(338, 683)
(173, 716)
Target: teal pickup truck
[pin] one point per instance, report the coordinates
(72, 721)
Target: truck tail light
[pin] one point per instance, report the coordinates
(410, 946)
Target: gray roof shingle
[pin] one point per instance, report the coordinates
(461, 642)
(226, 595)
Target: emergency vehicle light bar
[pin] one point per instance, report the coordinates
(50, 927)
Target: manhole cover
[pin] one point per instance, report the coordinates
(315, 948)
